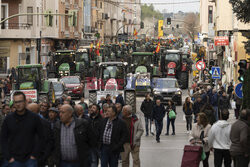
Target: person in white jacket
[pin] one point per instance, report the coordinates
(219, 140)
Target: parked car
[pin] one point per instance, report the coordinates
(167, 89)
(73, 85)
(59, 89)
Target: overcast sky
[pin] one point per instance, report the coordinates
(191, 7)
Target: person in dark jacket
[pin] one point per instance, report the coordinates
(71, 137)
(230, 90)
(198, 104)
(209, 111)
(114, 134)
(48, 137)
(108, 100)
(188, 111)
(147, 108)
(224, 102)
(214, 103)
(170, 107)
(18, 135)
(239, 136)
(95, 129)
(158, 114)
(119, 99)
(238, 103)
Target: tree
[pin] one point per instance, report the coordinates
(241, 8)
(150, 12)
(191, 24)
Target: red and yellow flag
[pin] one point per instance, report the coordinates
(91, 47)
(157, 50)
(98, 45)
(135, 32)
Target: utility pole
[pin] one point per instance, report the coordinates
(39, 41)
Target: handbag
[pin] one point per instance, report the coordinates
(171, 114)
(203, 155)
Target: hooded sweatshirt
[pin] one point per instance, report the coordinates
(219, 135)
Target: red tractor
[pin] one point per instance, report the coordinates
(172, 65)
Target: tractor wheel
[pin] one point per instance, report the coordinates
(130, 99)
(51, 75)
(92, 98)
(184, 80)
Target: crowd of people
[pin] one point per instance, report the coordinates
(66, 134)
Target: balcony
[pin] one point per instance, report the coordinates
(16, 30)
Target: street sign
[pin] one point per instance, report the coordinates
(216, 73)
(221, 41)
(200, 65)
(238, 90)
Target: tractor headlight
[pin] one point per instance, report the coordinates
(132, 65)
(151, 65)
(178, 92)
(60, 72)
(157, 93)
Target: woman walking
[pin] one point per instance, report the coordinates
(170, 108)
(188, 111)
(199, 135)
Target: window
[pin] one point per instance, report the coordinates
(30, 17)
(37, 17)
(56, 17)
(210, 14)
(27, 55)
(101, 5)
(4, 14)
(96, 4)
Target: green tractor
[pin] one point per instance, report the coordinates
(32, 82)
(62, 63)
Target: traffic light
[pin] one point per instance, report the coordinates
(243, 67)
(142, 25)
(49, 19)
(169, 21)
(72, 18)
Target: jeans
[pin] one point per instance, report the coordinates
(241, 161)
(172, 124)
(94, 157)
(237, 111)
(108, 158)
(147, 121)
(158, 126)
(28, 163)
(189, 119)
(216, 114)
(67, 164)
(220, 155)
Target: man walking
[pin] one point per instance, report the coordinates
(147, 108)
(219, 140)
(158, 114)
(71, 138)
(132, 144)
(114, 134)
(18, 136)
(240, 148)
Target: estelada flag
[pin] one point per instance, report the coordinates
(157, 50)
(135, 32)
(98, 48)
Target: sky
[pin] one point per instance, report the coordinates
(190, 7)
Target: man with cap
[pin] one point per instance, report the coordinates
(53, 116)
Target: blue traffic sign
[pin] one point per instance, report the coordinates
(238, 90)
(216, 73)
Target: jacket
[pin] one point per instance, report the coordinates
(188, 111)
(158, 112)
(197, 107)
(147, 108)
(95, 129)
(136, 131)
(119, 99)
(169, 108)
(240, 138)
(119, 134)
(214, 100)
(219, 135)
(196, 135)
(209, 111)
(224, 103)
(82, 133)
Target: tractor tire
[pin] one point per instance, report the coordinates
(130, 99)
(183, 79)
(92, 98)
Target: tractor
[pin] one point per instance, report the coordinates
(112, 79)
(172, 65)
(62, 63)
(31, 81)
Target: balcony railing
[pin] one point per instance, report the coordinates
(26, 26)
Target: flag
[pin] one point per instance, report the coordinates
(91, 47)
(157, 50)
(98, 45)
(135, 32)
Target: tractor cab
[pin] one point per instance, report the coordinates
(29, 77)
(141, 62)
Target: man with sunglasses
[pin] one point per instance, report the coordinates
(18, 136)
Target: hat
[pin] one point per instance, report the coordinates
(54, 109)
